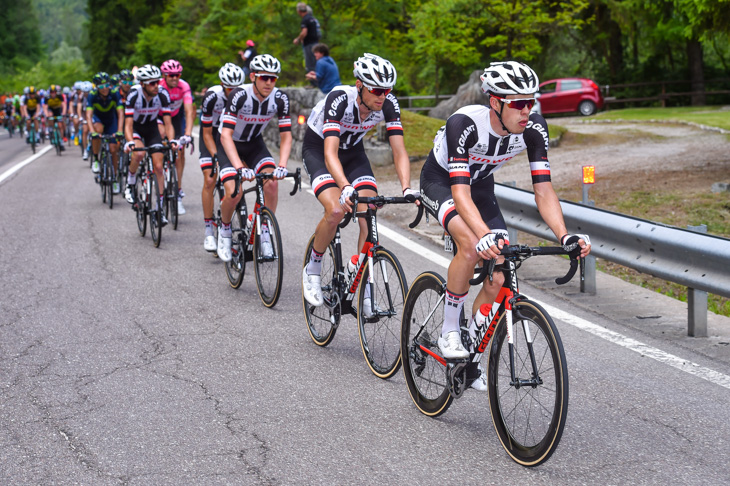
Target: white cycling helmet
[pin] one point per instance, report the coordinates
(266, 63)
(375, 72)
(509, 78)
(148, 72)
(231, 75)
(87, 86)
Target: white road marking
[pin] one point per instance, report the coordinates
(22, 164)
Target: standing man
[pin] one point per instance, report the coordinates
(326, 75)
(247, 56)
(308, 37)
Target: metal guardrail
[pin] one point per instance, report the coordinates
(695, 260)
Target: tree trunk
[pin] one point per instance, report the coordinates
(696, 71)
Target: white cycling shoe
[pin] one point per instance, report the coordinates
(451, 346)
(267, 250)
(210, 244)
(180, 207)
(129, 194)
(224, 248)
(312, 288)
(480, 383)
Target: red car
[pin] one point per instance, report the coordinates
(570, 95)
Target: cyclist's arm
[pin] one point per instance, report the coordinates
(90, 117)
(46, 111)
(230, 147)
(206, 121)
(120, 116)
(63, 106)
(208, 140)
(189, 117)
(282, 105)
(401, 161)
(284, 148)
(128, 128)
(169, 129)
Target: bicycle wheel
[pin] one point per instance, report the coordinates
(529, 419)
(268, 263)
(380, 329)
(56, 141)
(218, 194)
(32, 140)
(155, 212)
(236, 268)
(123, 168)
(109, 178)
(140, 205)
(173, 192)
(322, 321)
(423, 317)
(101, 176)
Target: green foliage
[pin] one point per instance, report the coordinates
(20, 42)
(61, 21)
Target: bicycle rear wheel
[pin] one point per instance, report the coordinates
(155, 212)
(236, 268)
(322, 321)
(268, 267)
(172, 196)
(109, 178)
(423, 317)
(140, 205)
(529, 419)
(380, 329)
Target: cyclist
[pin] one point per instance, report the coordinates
(56, 106)
(214, 102)
(182, 120)
(9, 109)
(76, 94)
(335, 159)
(29, 103)
(457, 183)
(81, 104)
(104, 114)
(249, 109)
(144, 104)
(126, 81)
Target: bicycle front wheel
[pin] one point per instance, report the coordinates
(380, 308)
(155, 212)
(322, 321)
(109, 178)
(140, 206)
(268, 259)
(236, 268)
(528, 414)
(423, 318)
(172, 195)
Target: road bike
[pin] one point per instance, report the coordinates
(55, 135)
(527, 375)
(106, 177)
(32, 135)
(379, 301)
(147, 197)
(172, 185)
(255, 237)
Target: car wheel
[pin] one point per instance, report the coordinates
(587, 108)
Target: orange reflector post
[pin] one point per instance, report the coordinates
(301, 120)
(589, 174)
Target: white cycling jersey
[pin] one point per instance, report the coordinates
(146, 111)
(212, 107)
(248, 116)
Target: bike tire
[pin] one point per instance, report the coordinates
(56, 141)
(155, 212)
(269, 270)
(236, 268)
(109, 178)
(32, 140)
(425, 376)
(174, 189)
(218, 194)
(141, 205)
(529, 421)
(322, 321)
(380, 334)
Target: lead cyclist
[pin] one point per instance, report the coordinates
(457, 183)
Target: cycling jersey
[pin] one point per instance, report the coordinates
(31, 102)
(179, 95)
(103, 107)
(469, 149)
(56, 102)
(214, 102)
(248, 116)
(143, 111)
(339, 115)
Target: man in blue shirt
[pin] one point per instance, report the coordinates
(326, 75)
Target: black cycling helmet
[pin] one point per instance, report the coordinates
(114, 79)
(126, 75)
(100, 78)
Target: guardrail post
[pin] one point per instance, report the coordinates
(588, 284)
(697, 302)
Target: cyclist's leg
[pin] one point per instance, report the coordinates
(358, 171)
(206, 166)
(178, 124)
(228, 203)
(260, 159)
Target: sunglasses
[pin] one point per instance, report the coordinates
(104, 86)
(128, 83)
(267, 77)
(519, 104)
(152, 83)
(173, 75)
(379, 91)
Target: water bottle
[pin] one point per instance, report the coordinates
(351, 267)
(249, 224)
(477, 324)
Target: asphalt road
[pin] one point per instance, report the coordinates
(125, 364)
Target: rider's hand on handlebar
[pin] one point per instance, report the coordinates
(490, 245)
(174, 143)
(185, 140)
(280, 172)
(569, 243)
(129, 146)
(412, 195)
(247, 174)
(345, 196)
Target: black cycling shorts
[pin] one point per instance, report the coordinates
(149, 134)
(206, 160)
(355, 165)
(253, 154)
(436, 195)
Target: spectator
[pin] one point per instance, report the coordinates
(247, 55)
(326, 75)
(308, 36)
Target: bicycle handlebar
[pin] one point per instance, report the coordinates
(379, 202)
(296, 175)
(523, 252)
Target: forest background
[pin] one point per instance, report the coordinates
(434, 45)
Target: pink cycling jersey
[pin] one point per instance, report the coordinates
(178, 95)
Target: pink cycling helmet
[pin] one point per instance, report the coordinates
(171, 66)
(249, 43)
